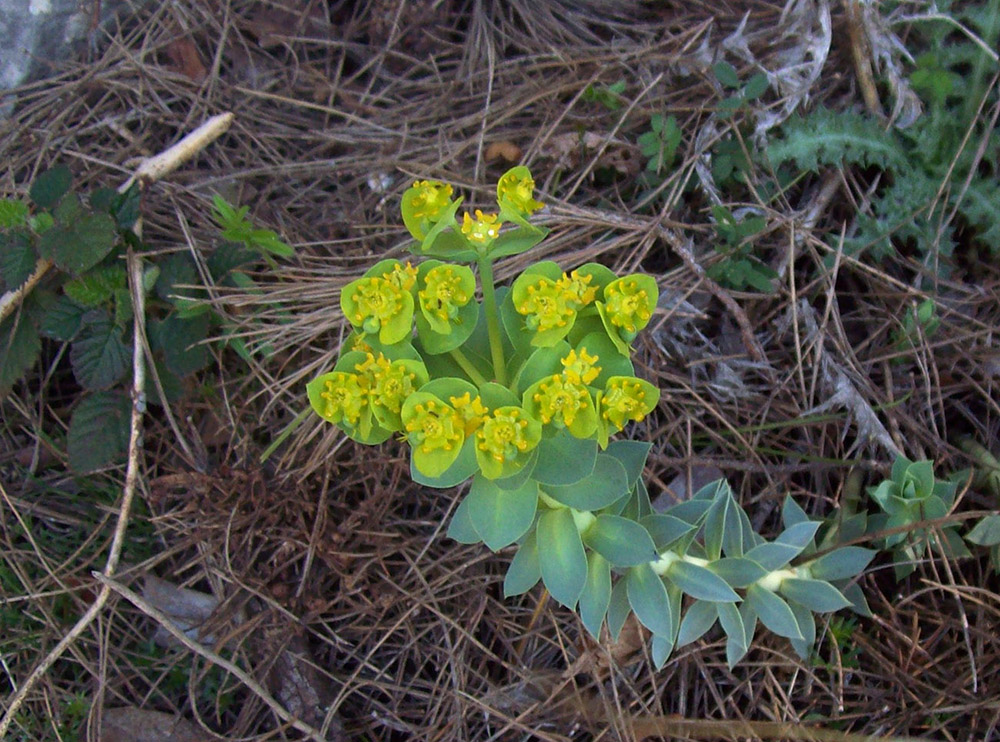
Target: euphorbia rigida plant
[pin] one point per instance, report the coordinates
(523, 391)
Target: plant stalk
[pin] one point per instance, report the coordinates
(471, 371)
(492, 318)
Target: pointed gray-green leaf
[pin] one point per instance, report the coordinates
(648, 597)
(842, 563)
(665, 529)
(700, 617)
(562, 557)
(798, 535)
(859, 604)
(524, 571)
(632, 455)
(773, 612)
(596, 595)
(98, 432)
(715, 524)
(660, 648)
(737, 571)
(623, 542)
(792, 514)
(461, 529)
(737, 642)
(807, 627)
(986, 532)
(816, 595)
(99, 355)
(701, 583)
(732, 532)
(772, 556)
(618, 609)
(564, 459)
(499, 516)
(599, 489)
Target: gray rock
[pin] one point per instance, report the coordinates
(36, 33)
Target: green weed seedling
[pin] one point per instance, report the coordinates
(909, 497)
(740, 94)
(504, 392)
(609, 96)
(739, 267)
(85, 302)
(659, 144)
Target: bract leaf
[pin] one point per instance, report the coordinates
(606, 484)
(665, 529)
(561, 556)
(648, 597)
(842, 563)
(461, 529)
(816, 595)
(555, 452)
(499, 516)
(774, 612)
(701, 583)
(623, 542)
(632, 455)
(700, 617)
(524, 571)
(596, 595)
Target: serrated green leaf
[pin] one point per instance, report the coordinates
(80, 244)
(62, 319)
(50, 186)
(180, 341)
(98, 432)
(726, 74)
(17, 257)
(13, 213)
(698, 620)
(524, 571)
(841, 563)
(596, 595)
(500, 516)
(701, 583)
(97, 286)
(605, 485)
(562, 557)
(99, 355)
(649, 600)
(20, 347)
(816, 595)
(623, 542)
(461, 529)
(773, 612)
(986, 532)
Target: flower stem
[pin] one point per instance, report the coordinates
(492, 319)
(471, 371)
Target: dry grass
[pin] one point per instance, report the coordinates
(338, 595)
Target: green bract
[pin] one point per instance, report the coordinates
(522, 392)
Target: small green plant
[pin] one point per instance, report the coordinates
(522, 393)
(609, 96)
(919, 325)
(739, 268)
(740, 93)
(84, 301)
(659, 144)
(907, 499)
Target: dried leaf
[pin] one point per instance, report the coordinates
(129, 724)
(184, 58)
(573, 149)
(189, 610)
(505, 150)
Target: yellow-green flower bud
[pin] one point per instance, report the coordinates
(629, 303)
(517, 188)
(377, 305)
(447, 288)
(430, 199)
(483, 229)
(343, 398)
(435, 432)
(627, 398)
(580, 369)
(503, 439)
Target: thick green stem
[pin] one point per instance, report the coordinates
(492, 319)
(471, 371)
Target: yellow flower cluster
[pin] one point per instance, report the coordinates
(550, 306)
